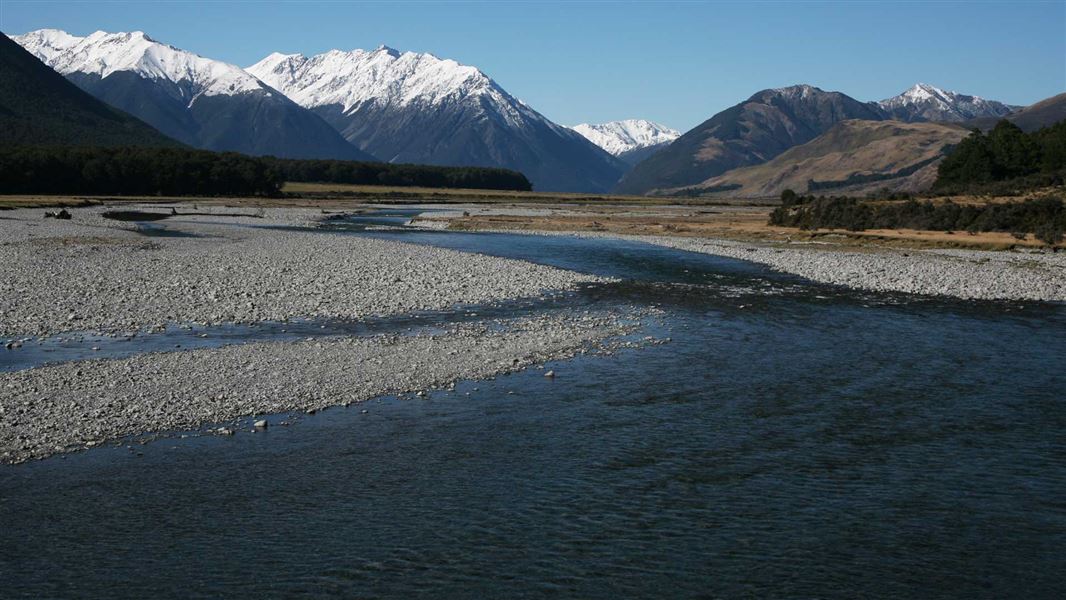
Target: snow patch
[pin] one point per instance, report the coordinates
(618, 137)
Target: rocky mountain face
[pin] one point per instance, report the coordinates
(39, 107)
(631, 140)
(417, 108)
(201, 102)
(925, 102)
(748, 133)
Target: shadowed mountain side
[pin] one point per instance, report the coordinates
(250, 123)
(552, 157)
(204, 103)
(39, 107)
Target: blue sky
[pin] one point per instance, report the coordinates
(677, 63)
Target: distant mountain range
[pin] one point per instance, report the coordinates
(407, 107)
(772, 121)
(201, 102)
(411, 107)
(631, 140)
(39, 107)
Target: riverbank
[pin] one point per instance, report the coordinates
(1027, 274)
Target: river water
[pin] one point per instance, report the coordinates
(791, 440)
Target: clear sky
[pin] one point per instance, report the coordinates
(677, 63)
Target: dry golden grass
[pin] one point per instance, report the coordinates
(394, 194)
(742, 224)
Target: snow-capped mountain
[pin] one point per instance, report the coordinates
(632, 140)
(925, 102)
(202, 102)
(104, 54)
(412, 107)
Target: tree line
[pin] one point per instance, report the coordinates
(133, 171)
(402, 175)
(1005, 158)
(1044, 217)
(146, 171)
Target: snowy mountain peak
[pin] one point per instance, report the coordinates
(924, 91)
(800, 90)
(383, 76)
(387, 50)
(619, 137)
(103, 54)
(923, 101)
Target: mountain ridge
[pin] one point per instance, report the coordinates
(40, 107)
(773, 120)
(751, 132)
(924, 102)
(202, 102)
(417, 107)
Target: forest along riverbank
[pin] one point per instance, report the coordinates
(93, 274)
(1032, 275)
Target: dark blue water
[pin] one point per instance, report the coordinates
(793, 440)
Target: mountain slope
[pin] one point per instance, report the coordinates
(410, 107)
(751, 132)
(1035, 116)
(925, 102)
(851, 157)
(201, 102)
(39, 107)
(631, 140)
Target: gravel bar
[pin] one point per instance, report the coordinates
(967, 274)
(71, 406)
(91, 274)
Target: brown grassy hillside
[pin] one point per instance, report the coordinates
(850, 148)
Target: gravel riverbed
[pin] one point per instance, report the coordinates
(91, 274)
(71, 406)
(223, 265)
(967, 274)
